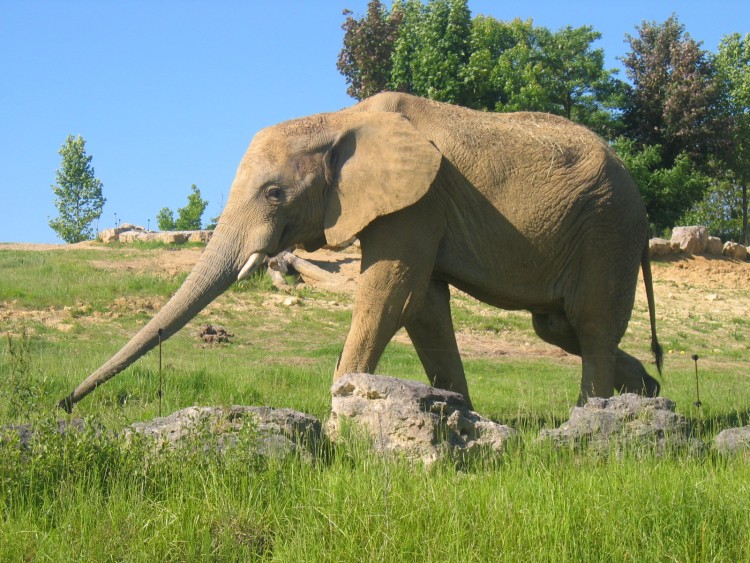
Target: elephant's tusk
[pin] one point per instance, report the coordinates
(252, 264)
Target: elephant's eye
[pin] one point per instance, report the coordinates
(274, 194)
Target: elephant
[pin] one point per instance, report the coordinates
(523, 211)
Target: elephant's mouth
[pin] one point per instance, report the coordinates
(255, 260)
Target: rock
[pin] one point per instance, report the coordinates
(692, 240)
(659, 247)
(200, 236)
(626, 422)
(273, 432)
(734, 441)
(108, 236)
(419, 421)
(735, 250)
(173, 237)
(137, 236)
(714, 247)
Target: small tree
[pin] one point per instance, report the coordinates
(188, 217)
(78, 194)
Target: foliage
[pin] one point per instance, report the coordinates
(720, 210)
(365, 59)
(733, 67)
(78, 193)
(668, 192)
(188, 217)
(675, 101)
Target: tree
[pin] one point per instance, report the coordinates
(733, 67)
(78, 193)
(675, 99)
(188, 217)
(668, 192)
(365, 59)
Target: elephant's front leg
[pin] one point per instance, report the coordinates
(431, 331)
(388, 293)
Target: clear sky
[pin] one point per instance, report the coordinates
(169, 94)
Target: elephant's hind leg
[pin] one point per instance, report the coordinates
(630, 375)
(431, 332)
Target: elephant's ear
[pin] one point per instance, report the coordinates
(378, 164)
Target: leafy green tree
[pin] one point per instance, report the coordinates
(365, 59)
(165, 219)
(431, 49)
(733, 67)
(188, 217)
(675, 99)
(78, 193)
(720, 210)
(668, 192)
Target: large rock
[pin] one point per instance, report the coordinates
(734, 441)
(625, 422)
(735, 250)
(108, 236)
(692, 240)
(279, 432)
(658, 247)
(422, 422)
(714, 247)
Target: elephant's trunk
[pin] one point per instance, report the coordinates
(214, 272)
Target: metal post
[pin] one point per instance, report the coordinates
(697, 391)
(160, 373)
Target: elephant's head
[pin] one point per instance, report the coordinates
(312, 180)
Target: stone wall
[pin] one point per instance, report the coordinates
(127, 233)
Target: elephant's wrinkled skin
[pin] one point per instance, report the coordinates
(522, 211)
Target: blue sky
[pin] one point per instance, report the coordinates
(169, 94)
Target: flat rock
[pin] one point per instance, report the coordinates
(408, 417)
(279, 432)
(624, 422)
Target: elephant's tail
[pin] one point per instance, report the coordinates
(647, 279)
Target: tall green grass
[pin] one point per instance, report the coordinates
(93, 496)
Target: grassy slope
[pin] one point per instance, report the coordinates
(91, 498)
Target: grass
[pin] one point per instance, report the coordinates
(94, 497)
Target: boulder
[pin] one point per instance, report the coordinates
(735, 250)
(734, 441)
(174, 237)
(272, 432)
(658, 247)
(108, 236)
(137, 236)
(421, 422)
(692, 240)
(200, 236)
(626, 422)
(714, 246)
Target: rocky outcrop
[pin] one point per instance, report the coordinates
(408, 417)
(269, 431)
(626, 422)
(691, 240)
(658, 247)
(735, 251)
(127, 233)
(714, 247)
